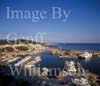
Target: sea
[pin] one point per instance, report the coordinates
(51, 61)
(77, 46)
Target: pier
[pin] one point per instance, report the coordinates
(72, 53)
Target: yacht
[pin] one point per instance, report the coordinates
(13, 59)
(81, 81)
(24, 61)
(70, 66)
(86, 55)
(37, 59)
(30, 64)
(28, 59)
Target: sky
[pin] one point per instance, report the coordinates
(82, 25)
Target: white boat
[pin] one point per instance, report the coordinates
(13, 59)
(37, 59)
(86, 55)
(82, 81)
(71, 67)
(24, 61)
(27, 61)
(30, 64)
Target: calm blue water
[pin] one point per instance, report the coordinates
(92, 65)
(51, 61)
(77, 46)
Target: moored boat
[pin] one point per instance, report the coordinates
(85, 55)
(80, 81)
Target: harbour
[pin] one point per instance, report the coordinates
(49, 43)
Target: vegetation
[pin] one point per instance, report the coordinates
(18, 41)
(22, 56)
(9, 49)
(3, 42)
(22, 48)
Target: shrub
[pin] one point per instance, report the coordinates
(22, 48)
(9, 49)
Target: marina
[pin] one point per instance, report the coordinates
(49, 66)
(49, 43)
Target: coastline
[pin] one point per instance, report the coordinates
(54, 51)
(72, 53)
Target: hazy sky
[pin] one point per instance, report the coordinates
(82, 26)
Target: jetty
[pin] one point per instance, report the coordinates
(73, 53)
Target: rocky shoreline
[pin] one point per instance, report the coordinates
(37, 49)
(72, 53)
